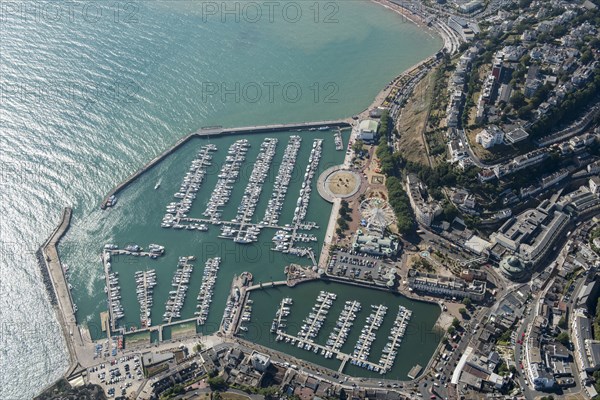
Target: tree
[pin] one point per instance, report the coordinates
(563, 337)
(455, 322)
(517, 100)
(467, 301)
(358, 146)
(451, 330)
(217, 383)
(502, 368)
(342, 223)
(462, 311)
(562, 322)
(343, 395)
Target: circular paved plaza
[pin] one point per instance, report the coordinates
(336, 182)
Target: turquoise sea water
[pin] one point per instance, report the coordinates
(92, 91)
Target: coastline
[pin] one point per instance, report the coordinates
(61, 300)
(448, 45)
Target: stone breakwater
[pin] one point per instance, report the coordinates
(46, 277)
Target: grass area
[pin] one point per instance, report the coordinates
(233, 396)
(496, 152)
(156, 369)
(477, 148)
(413, 119)
(183, 330)
(134, 339)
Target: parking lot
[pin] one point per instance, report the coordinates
(119, 377)
(357, 266)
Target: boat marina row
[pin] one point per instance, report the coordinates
(188, 189)
(339, 143)
(362, 349)
(314, 322)
(154, 251)
(282, 181)
(281, 315)
(395, 339)
(227, 177)
(284, 242)
(247, 232)
(181, 279)
(339, 335)
(113, 291)
(209, 278)
(145, 282)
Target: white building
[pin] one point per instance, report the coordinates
(594, 184)
(260, 361)
(425, 211)
(367, 130)
(490, 136)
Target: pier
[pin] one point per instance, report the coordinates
(111, 285)
(188, 188)
(345, 322)
(177, 296)
(314, 322)
(282, 312)
(227, 176)
(323, 349)
(309, 331)
(285, 243)
(398, 331)
(145, 280)
(229, 223)
(209, 278)
(363, 346)
(132, 253)
(253, 190)
(235, 303)
(282, 181)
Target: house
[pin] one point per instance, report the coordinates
(490, 136)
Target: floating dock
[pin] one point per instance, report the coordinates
(374, 320)
(345, 321)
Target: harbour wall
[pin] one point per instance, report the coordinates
(46, 277)
(219, 131)
(58, 291)
(54, 238)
